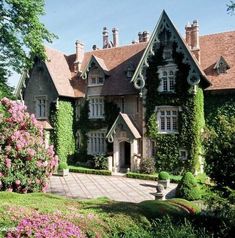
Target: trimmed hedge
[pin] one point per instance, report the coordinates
(83, 170)
(175, 178)
(190, 206)
(142, 176)
(157, 209)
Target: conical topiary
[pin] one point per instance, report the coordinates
(188, 188)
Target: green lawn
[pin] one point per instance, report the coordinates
(97, 218)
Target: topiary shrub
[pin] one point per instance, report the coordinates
(62, 166)
(100, 162)
(188, 188)
(147, 165)
(25, 163)
(163, 175)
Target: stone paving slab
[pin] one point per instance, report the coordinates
(116, 188)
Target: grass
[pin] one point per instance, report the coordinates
(110, 218)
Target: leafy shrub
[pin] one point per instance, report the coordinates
(166, 227)
(100, 162)
(45, 226)
(202, 178)
(25, 163)
(147, 166)
(220, 151)
(63, 165)
(188, 188)
(163, 175)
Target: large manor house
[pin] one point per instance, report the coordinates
(140, 100)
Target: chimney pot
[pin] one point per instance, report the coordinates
(145, 36)
(105, 37)
(140, 37)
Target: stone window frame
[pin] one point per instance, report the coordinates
(96, 107)
(168, 119)
(94, 77)
(38, 114)
(96, 143)
(167, 76)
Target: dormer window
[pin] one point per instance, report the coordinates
(96, 77)
(167, 78)
(221, 66)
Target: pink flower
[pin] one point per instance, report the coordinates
(31, 152)
(8, 163)
(45, 163)
(17, 182)
(1, 174)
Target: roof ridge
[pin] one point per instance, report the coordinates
(54, 49)
(118, 47)
(218, 33)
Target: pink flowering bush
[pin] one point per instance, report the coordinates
(48, 226)
(25, 163)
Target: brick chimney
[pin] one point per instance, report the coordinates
(79, 56)
(105, 38)
(145, 36)
(115, 37)
(188, 34)
(192, 38)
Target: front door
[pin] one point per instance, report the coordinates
(125, 155)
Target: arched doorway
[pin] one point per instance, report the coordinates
(125, 155)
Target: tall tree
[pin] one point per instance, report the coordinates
(21, 36)
(231, 7)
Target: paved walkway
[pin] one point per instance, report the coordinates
(114, 187)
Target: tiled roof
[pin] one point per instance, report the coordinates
(59, 71)
(116, 61)
(212, 48)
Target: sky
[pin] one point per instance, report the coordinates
(84, 20)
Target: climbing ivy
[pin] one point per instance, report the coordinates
(85, 125)
(190, 118)
(63, 121)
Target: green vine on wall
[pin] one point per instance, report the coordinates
(191, 117)
(85, 124)
(63, 130)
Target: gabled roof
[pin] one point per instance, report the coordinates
(100, 62)
(117, 61)
(164, 22)
(212, 48)
(123, 118)
(223, 61)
